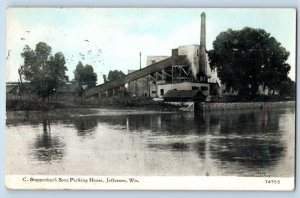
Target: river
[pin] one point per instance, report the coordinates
(111, 142)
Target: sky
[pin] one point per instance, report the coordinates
(112, 38)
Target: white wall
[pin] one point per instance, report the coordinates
(191, 53)
(155, 59)
(181, 86)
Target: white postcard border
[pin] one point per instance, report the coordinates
(149, 183)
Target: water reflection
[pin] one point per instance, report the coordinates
(176, 146)
(238, 142)
(46, 146)
(243, 137)
(248, 153)
(249, 138)
(85, 126)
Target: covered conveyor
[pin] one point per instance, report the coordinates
(173, 60)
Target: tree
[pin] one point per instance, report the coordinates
(287, 88)
(85, 75)
(113, 75)
(248, 58)
(44, 71)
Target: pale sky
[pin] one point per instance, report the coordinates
(110, 39)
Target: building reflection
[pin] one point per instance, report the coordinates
(46, 146)
(244, 139)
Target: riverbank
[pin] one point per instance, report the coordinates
(221, 106)
(143, 104)
(37, 105)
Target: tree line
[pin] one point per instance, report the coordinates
(46, 72)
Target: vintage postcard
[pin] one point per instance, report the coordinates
(150, 98)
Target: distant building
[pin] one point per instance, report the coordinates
(70, 90)
(16, 89)
(12, 88)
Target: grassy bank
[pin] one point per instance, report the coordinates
(131, 103)
(33, 105)
(37, 105)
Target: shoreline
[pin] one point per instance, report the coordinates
(243, 105)
(35, 105)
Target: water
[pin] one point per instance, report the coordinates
(148, 143)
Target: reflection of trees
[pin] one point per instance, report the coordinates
(85, 126)
(243, 137)
(47, 147)
(229, 137)
(248, 122)
(184, 124)
(134, 122)
(206, 122)
(113, 120)
(252, 153)
(201, 148)
(252, 147)
(176, 146)
(141, 122)
(161, 124)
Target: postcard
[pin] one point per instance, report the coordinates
(150, 98)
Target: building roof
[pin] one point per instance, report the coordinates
(14, 87)
(184, 95)
(67, 88)
(10, 88)
(12, 83)
(70, 88)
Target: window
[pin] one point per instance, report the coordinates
(162, 92)
(195, 88)
(153, 92)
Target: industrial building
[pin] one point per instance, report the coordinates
(186, 69)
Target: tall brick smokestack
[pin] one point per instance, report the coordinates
(202, 50)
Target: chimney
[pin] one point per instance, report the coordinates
(140, 60)
(203, 31)
(202, 49)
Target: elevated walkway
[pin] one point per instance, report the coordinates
(174, 60)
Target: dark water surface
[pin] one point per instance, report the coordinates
(133, 142)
